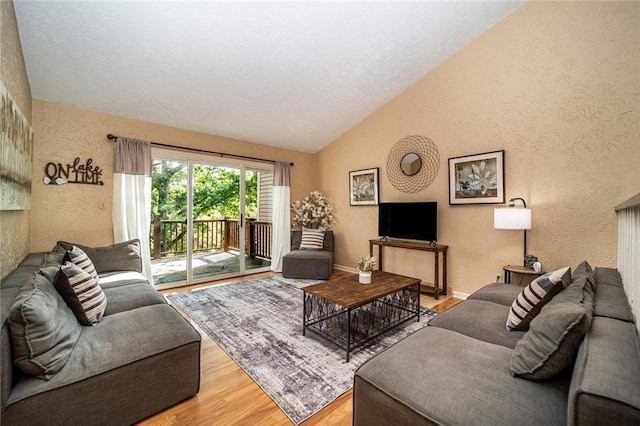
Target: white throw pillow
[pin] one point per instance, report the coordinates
(312, 239)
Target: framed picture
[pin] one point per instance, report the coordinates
(363, 187)
(477, 179)
(16, 162)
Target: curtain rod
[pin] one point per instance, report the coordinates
(204, 151)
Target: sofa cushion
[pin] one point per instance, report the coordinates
(608, 276)
(312, 239)
(583, 268)
(504, 294)
(50, 265)
(81, 292)
(43, 329)
(132, 296)
(611, 301)
(440, 377)
(79, 257)
(480, 319)
(123, 256)
(534, 296)
(552, 342)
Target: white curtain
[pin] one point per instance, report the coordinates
(281, 244)
(132, 196)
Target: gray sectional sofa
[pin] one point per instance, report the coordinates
(581, 360)
(141, 358)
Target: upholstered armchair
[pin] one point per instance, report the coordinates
(308, 263)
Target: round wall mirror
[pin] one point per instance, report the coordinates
(410, 164)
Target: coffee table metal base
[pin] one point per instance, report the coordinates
(356, 327)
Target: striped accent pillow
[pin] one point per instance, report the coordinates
(534, 296)
(80, 258)
(81, 292)
(312, 239)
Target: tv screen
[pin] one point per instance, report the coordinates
(412, 221)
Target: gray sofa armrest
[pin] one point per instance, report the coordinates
(606, 377)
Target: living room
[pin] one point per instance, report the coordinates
(554, 85)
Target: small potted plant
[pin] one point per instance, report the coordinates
(365, 269)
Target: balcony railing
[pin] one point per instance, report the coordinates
(169, 237)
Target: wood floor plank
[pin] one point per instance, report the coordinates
(228, 396)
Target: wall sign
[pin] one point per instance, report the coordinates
(77, 172)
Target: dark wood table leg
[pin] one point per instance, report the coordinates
(419, 308)
(348, 332)
(444, 272)
(304, 312)
(436, 292)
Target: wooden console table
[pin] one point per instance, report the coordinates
(436, 249)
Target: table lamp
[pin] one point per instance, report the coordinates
(514, 218)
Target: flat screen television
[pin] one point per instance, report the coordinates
(411, 221)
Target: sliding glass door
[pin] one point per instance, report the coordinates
(211, 220)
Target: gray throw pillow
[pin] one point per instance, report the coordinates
(534, 296)
(43, 329)
(51, 265)
(82, 293)
(552, 342)
(125, 256)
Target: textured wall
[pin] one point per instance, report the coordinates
(556, 86)
(14, 225)
(82, 213)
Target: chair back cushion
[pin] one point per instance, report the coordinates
(312, 239)
(296, 239)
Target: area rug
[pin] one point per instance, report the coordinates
(258, 323)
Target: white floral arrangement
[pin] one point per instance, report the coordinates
(366, 264)
(312, 212)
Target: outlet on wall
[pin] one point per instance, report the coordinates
(498, 278)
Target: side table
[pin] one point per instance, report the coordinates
(509, 269)
(436, 249)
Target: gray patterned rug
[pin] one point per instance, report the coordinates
(259, 324)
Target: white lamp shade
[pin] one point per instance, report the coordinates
(512, 218)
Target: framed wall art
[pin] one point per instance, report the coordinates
(363, 187)
(16, 161)
(477, 179)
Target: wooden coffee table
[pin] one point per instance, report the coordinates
(351, 315)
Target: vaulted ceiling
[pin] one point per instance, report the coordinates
(288, 74)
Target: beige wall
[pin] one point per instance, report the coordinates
(14, 225)
(556, 86)
(82, 213)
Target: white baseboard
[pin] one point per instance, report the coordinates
(345, 268)
(460, 295)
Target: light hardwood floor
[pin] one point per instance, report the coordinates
(228, 396)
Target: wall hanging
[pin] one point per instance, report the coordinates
(363, 187)
(76, 172)
(16, 146)
(477, 179)
(413, 163)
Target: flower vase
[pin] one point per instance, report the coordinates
(364, 277)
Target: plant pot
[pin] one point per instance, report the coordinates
(364, 277)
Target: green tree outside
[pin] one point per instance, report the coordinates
(216, 191)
